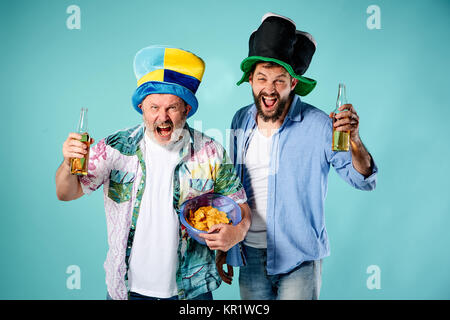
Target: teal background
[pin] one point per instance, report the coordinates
(397, 78)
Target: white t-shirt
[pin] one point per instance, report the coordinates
(153, 259)
(257, 162)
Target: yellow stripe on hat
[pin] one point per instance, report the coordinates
(156, 75)
(184, 62)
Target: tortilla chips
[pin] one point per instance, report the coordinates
(205, 217)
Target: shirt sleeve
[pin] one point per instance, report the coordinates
(98, 168)
(342, 163)
(227, 181)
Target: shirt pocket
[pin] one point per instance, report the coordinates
(120, 185)
(200, 186)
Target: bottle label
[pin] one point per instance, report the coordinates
(85, 137)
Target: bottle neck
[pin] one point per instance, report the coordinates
(342, 98)
(83, 124)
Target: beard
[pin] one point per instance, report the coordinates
(279, 110)
(177, 133)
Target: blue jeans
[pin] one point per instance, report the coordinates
(137, 296)
(302, 283)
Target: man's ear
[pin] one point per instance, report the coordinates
(188, 109)
(250, 78)
(140, 106)
(293, 83)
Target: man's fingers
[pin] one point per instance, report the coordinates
(219, 237)
(216, 227)
(210, 243)
(345, 114)
(213, 232)
(77, 143)
(74, 135)
(347, 106)
(209, 236)
(74, 139)
(74, 155)
(214, 244)
(346, 118)
(77, 150)
(74, 152)
(73, 147)
(345, 128)
(345, 121)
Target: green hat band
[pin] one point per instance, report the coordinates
(304, 86)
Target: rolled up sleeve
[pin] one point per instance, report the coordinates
(98, 168)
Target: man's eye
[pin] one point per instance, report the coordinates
(261, 79)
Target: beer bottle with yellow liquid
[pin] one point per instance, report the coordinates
(341, 139)
(79, 166)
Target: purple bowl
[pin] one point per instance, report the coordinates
(222, 203)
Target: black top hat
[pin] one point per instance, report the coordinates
(277, 40)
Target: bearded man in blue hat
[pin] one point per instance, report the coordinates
(147, 173)
(281, 148)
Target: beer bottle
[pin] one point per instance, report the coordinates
(79, 166)
(341, 139)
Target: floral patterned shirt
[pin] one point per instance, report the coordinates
(117, 162)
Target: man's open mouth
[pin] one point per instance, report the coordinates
(269, 102)
(164, 130)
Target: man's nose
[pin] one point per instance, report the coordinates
(269, 88)
(163, 115)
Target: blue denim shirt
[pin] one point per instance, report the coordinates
(297, 183)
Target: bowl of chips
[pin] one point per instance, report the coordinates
(199, 214)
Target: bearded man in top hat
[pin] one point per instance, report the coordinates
(147, 172)
(281, 148)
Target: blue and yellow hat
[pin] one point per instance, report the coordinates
(162, 69)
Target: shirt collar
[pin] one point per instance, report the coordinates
(136, 135)
(295, 109)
